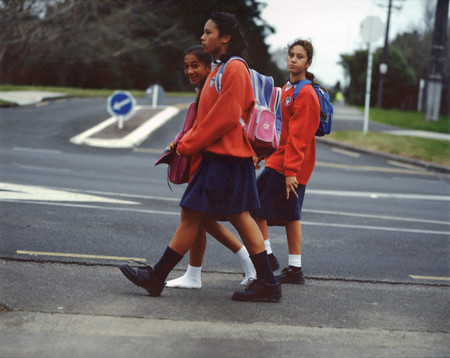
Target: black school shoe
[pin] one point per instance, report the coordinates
(143, 277)
(273, 262)
(259, 291)
(291, 275)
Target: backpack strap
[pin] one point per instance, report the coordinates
(222, 69)
(299, 87)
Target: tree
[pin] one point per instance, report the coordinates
(112, 43)
(398, 81)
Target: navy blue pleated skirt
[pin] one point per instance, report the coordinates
(222, 186)
(272, 196)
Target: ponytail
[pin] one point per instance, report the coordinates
(227, 24)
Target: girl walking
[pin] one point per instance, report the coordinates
(197, 66)
(224, 185)
(282, 183)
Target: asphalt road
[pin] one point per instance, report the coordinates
(375, 250)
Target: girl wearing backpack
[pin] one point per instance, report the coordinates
(197, 66)
(282, 183)
(224, 185)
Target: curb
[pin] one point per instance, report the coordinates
(421, 163)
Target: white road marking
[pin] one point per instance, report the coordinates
(433, 278)
(177, 213)
(16, 192)
(377, 217)
(37, 150)
(345, 152)
(375, 195)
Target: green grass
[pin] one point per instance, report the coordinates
(429, 150)
(408, 119)
(85, 92)
(4, 308)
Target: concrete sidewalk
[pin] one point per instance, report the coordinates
(25, 98)
(73, 310)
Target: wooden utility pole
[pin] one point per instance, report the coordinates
(383, 65)
(437, 62)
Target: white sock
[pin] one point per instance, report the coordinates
(295, 260)
(268, 247)
(247, 264)
(192, 278)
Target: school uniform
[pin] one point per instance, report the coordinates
(224, 182)
(295, 156)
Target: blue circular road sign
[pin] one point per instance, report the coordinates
(121, 103)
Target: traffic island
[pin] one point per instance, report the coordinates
(135, 130)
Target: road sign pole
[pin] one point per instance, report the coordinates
(120, 122)
(368, 85)
(155, 96)
(371, 31)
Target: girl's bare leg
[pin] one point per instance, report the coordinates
(222, 234)
(294, 237)
(198, 248)
(249, 232)
(187, 231)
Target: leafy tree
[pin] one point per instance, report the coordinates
(399, 81)
(113, 43)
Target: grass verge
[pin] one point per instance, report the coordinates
(429, 150)
(408, 119)
(84, 92)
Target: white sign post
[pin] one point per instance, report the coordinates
(371, 30)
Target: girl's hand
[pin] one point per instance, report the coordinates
(256, 162)
(291, 185)
(172, 145)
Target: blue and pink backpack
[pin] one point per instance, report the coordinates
(264, 127)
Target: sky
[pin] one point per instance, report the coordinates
(334, 27)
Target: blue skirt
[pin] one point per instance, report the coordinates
(272, 195)
(222, 186)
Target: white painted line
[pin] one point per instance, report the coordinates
(34, 167)
(434, 278)
(16, 192)
(345, 152)
(378, 228)
(80, 138)
(375, 195)
(37, 150)
(405, 165)
(377, 217)
(177, 213)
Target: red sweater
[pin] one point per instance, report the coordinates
(217, 128)
(296, 154)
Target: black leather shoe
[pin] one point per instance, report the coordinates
(259, 291)
(143, 277)
(273, 262)
(291, 275)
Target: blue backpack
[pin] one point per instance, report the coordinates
(326, 108)
(264, 127)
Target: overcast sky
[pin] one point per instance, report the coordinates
(334, 27)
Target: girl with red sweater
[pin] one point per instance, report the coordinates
(282, 183)
(197, 66)
(224, 185)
